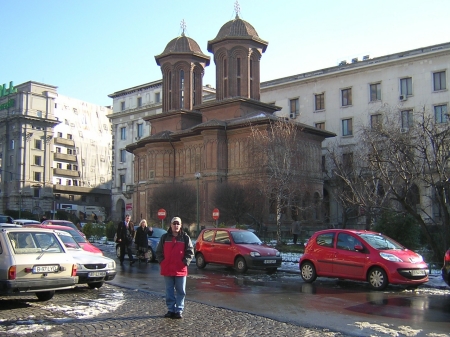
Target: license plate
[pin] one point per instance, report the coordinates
(97, 274)
(45, 269)
(270, 261)
(417, 272)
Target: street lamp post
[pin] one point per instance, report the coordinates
(197, 176)
(20, 204)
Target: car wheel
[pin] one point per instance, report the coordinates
(308, 272)
(94, 285)
(377, 278)
(118, 251)
(200, 261)
(240, 265)
(45, 295)
(151, 255)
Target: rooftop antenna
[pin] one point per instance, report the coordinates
(183, 26)
(237, 9)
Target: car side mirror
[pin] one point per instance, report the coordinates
(359, 248)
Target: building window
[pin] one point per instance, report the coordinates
(293, 108)
(69, 166)
(59, 165)
(440, 114)
(12, 144)
(157, 97)
(39, 113)
(58, 181)
(123, 155)
(407, 119)
(70, 151)
(140, 130)
(11, 160)
(375, 121)
(83, 198)
(69, 136)
(346, 97)
(375, 92)
(38, 144)
(37, 176)
(121, 180)
(58, 149)
(320, 125)
(320, 102)
(75, 182)
(139, 102)
(60, 134)
(439, 81)
(36, 193)
(122, 106)
(71, 197)
(123, 133)
(347, 128)
(406, 86)
(75, 167)
(37, 160)
(68, 182)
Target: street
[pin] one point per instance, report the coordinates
(219, 299)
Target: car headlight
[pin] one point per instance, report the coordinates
(418, 259)
(277, 253)
(254, 254)
(390, 257)
(112, 265)
(80, 266)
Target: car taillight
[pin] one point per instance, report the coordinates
(12, 273)
(447, 256)
(74, 270)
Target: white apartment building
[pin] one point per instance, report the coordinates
(55, 153)
(354, 93)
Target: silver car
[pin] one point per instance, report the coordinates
(92, 269)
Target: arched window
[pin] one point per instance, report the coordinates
(181, 89)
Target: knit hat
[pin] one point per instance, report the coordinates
(176, 219)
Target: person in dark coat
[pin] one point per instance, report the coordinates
(141, 238)
(125, 235)
(174, 254)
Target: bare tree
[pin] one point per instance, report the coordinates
(231, 199)
(283, 165)
(403, 170)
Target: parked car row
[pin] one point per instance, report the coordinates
(43, 258)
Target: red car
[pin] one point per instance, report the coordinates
(63, 223)
(235, 247)
(86, 245)
(362, 256)
(446, 268)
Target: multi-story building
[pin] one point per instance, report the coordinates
(356, 93)
(55, 154)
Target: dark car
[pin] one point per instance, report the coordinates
(6, 219)
(362, 256)
(446, 268)
(237, 248)
(152, 243)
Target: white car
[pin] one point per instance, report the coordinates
(26, 221)
(92, 268)
(34, 260)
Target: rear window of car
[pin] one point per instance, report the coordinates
(325, 240)
(32, 243)
(208, 235)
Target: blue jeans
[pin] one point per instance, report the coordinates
(175, 292)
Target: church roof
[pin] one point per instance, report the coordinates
(183, 45)
(237, 29)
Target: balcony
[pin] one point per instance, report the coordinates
(65, 157)
(64, 141)
(63, 172)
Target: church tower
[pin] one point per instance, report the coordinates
(237, 51)
(182, 65)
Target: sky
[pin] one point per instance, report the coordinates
(90, 49)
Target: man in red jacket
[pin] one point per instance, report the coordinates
(174, 254)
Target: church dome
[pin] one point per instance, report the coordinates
(236, 29)
(183, 45)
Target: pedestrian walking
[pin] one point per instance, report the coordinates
(124, 237)
(141, 239)
(174, 254)
(295, 230)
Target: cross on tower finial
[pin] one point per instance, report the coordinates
(183, 26)
(237, 9)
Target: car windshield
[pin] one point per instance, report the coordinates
(245, 237)
(69, 241)
(76, 235)
(380, 242)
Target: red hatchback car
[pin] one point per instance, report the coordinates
(363, 256)
(235, 247)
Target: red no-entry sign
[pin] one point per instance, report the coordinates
(215, 213)
(162, 214)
